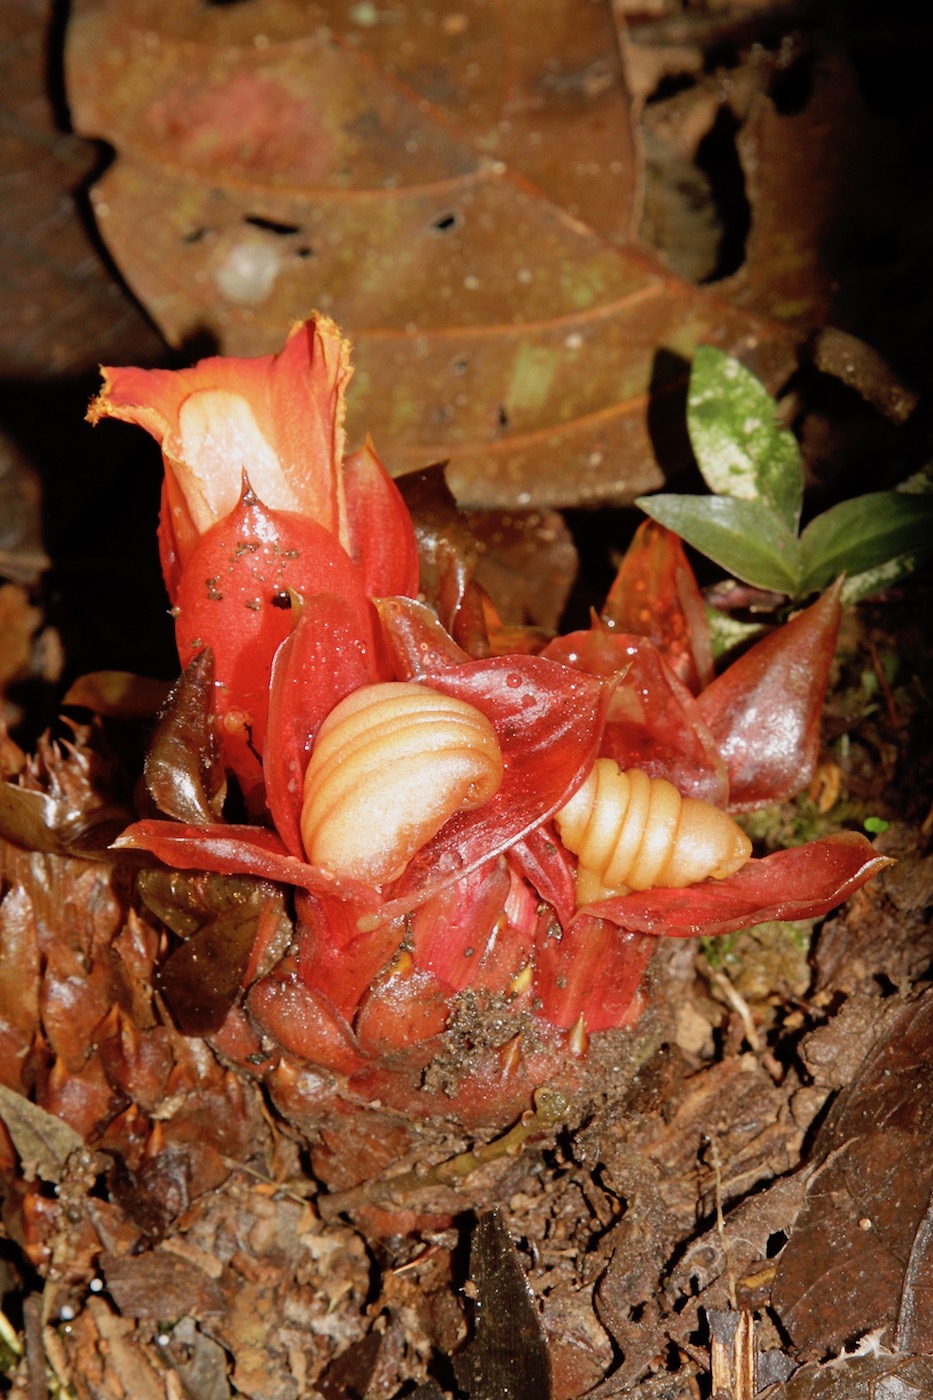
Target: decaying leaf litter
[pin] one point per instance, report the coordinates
(610, 1209)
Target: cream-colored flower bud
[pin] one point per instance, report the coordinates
(391, 764)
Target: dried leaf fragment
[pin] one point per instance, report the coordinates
(508, 1356)
(867, 1224)
(43, 1141)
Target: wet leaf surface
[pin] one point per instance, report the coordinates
(861, 1256)
(524, 560)
(201, 978)
(218, 918)
(28, 818)
(66, 821)
(65, 308)
(183, 771)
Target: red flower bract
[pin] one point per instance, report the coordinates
(235, 595)
(303, 581)
(259, 505)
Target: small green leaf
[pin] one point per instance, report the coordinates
(745, 538)
(863, 585)
(740, 449)
(864, 534)
(875, 825)
(729, 633)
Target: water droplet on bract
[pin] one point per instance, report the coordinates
(514, 680)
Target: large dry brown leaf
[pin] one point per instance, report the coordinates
(454, 187)
(869, 1375)
(861, 1256)
(62, 309)
(823, 191)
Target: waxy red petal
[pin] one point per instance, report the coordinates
(542, 860)
(303, 1021)
(548, 720)
(509, 950)
(654, 722)
(239, 850)
(334, 956)
(593, 970)
(406, 1006)
(764, 710)
(468, 910)
(656, 595)
(804, 882)
(415, 639)
(233, 596)
(324, 658)
(382, 537)
(450, 933)
(169, 556)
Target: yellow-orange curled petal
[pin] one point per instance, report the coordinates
(632, 829)
(573, 817)
(608, 810)
(709, 844)
(659, 838)
(632, 832)
(590, 887)
(391, 764)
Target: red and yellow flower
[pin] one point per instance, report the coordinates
(297, 567)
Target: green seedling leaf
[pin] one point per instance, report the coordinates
(745, 537)
(43, 1141)
(730, 634)
(863, 535)
(858, 586)
(750, 524)
(739, 447)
